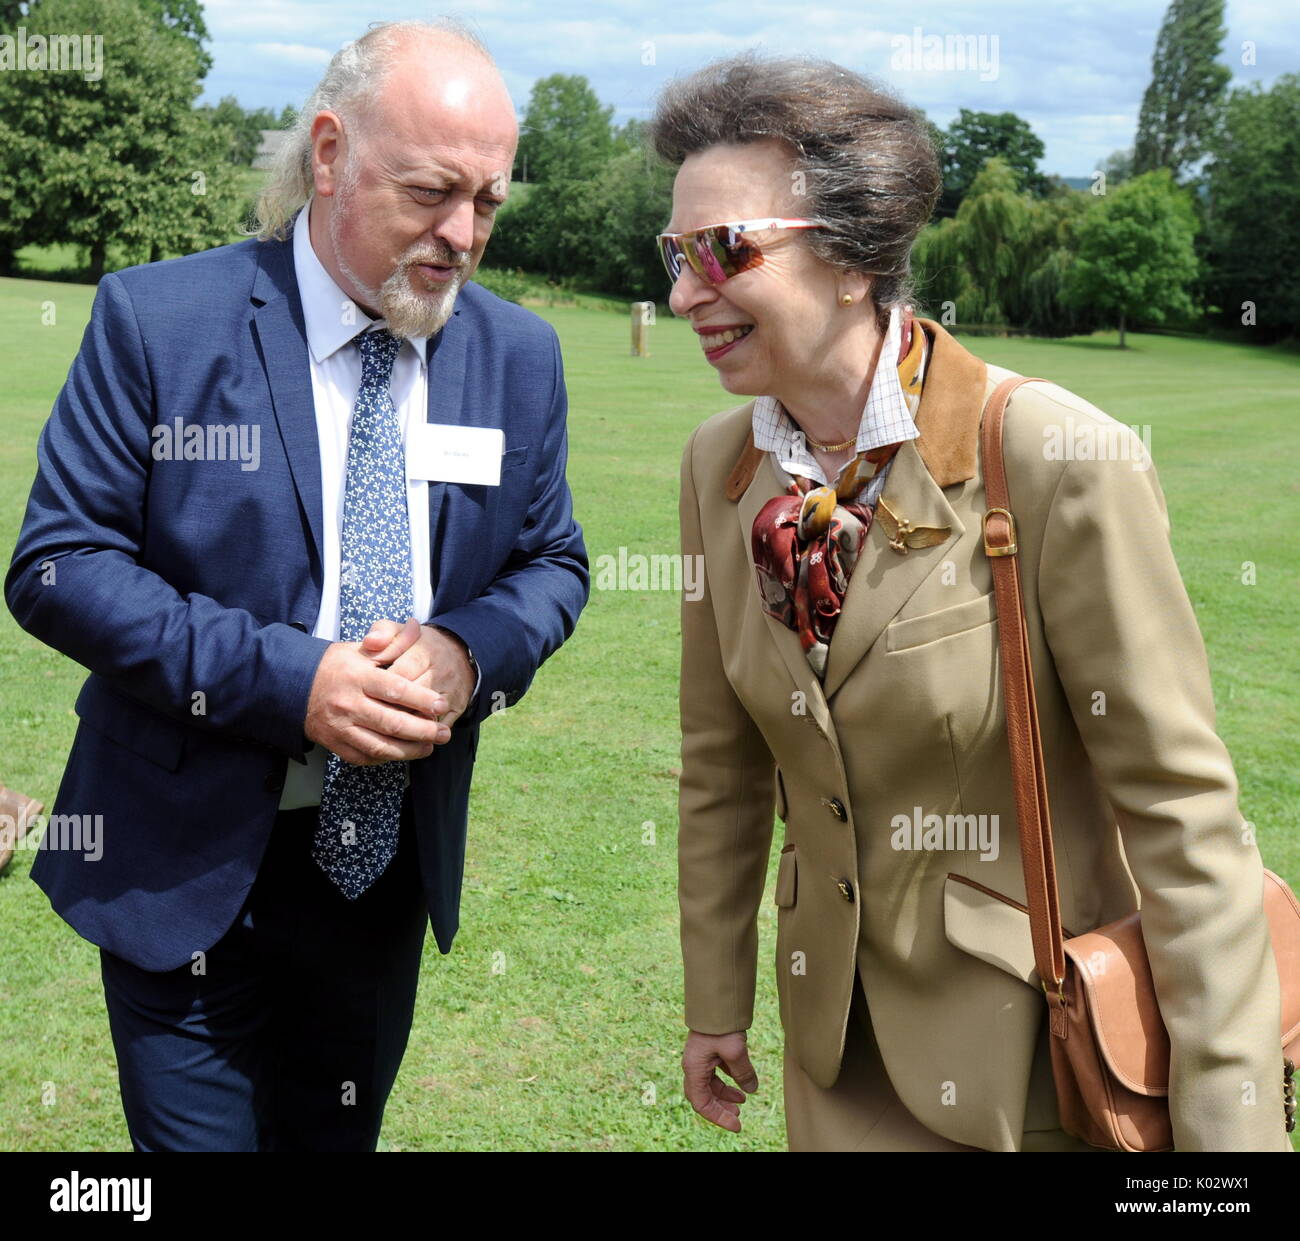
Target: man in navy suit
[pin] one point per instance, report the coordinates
(301, 510)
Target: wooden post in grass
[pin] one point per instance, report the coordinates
(643, 317)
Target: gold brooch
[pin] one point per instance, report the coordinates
(902, 534)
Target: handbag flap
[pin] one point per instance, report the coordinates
(1112, 966)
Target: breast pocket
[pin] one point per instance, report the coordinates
(513, 458)
(902, 635)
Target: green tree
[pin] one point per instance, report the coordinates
(1136, 256)
(124, 159)
(1253, 208)
(632, 198)
(565, 135)
(1181, 105)
(976, 137)
(1044, 303)
(633, 135)
(245, 126)
(553, 231)
(183, 18)
(995, 220)
(1118, 167)
(1004, 257)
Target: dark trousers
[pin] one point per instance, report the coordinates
(291, 1037)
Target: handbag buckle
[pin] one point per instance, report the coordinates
(1060, 993)
(1010, 548)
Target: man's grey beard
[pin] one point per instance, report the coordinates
(411, 314)
(407, 313)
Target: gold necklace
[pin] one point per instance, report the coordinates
(831, 447)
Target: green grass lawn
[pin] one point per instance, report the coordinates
(576, 1044)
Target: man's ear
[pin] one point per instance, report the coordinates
(326, 152)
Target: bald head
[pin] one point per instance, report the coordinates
(431, 75)
(408, 172)
(436, 85)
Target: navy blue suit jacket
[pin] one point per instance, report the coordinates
(173, 579)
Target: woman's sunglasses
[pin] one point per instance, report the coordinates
(720, 251)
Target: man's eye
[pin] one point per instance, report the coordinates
(490, 204)
(429, 192)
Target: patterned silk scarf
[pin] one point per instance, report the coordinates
(807, 541)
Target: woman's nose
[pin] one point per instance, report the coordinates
(689, 290)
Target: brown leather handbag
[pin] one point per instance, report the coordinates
(1109, 1045)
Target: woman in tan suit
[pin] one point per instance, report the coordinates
(846, 671)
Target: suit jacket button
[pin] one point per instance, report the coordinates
(298, 625)
(846, 889)
(836, 807)
(274, 783)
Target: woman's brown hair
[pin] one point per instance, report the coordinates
(868, 166)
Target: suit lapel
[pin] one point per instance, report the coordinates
(282, 336)
(945, 454)
(764, 486)
(883, 579)
(445, 365)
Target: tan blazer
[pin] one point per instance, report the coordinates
(910, 724)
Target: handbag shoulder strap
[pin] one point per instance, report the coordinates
(1027, 768)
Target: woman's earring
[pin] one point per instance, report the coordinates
(846, 299)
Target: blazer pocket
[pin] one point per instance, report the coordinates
(787, 878)
(513, 457)
(130, 724)
(901, 635)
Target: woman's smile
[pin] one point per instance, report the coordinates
(719, 339)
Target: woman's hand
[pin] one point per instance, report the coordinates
(706, 1092)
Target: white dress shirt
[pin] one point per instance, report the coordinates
(886, 418)
(332, 320)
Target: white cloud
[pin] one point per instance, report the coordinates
(293, 53)
(1076, 69)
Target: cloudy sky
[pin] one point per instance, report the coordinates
(1075, 70)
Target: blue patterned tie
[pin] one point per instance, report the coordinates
(361, 806)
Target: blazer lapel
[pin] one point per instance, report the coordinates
(764, 486)
(945, 454)
(445, 365)
(282, 336)
(883, 579)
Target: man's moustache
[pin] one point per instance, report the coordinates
(428, 261)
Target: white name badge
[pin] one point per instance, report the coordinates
(448, 454)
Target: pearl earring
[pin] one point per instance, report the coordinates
(846, 299)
